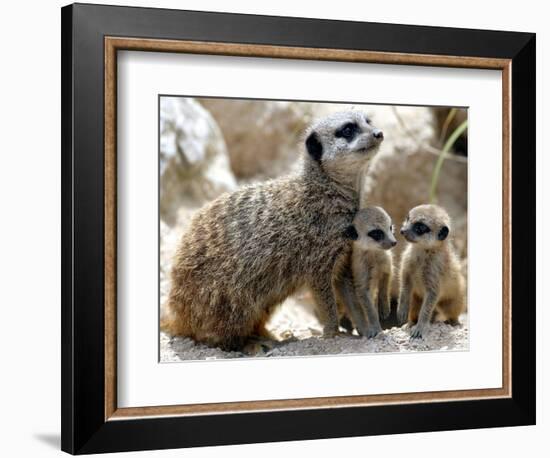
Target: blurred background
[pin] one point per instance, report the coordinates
(209, 146)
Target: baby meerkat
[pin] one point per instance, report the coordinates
(431, 279)
(371, 269)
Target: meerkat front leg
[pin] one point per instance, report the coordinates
(384, 308)
(426, 312)
(404, 300)
(365, 300)
(345, 292)
(322, 288)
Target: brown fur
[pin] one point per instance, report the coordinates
(431, 279)
(248, 251)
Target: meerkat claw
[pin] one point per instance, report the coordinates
(373, 331)
(401, 318)
(416, 332)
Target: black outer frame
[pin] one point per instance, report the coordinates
(84, 429)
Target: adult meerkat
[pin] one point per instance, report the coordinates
(247, 251)
(431, 278)
(371, 267)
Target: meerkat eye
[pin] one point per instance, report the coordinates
(376, 234)
(368, 120)
(347, 131)
(420, 228)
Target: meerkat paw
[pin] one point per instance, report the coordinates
(402, 315)
(373, 331)
(453, 322)
(331, 331)
(384, 311)
(257, 345)
(417, 331)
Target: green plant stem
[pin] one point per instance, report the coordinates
(437, 168)
(449, 118)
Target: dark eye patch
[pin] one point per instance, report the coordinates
(420, 228)
(376, 234)
(347, 131)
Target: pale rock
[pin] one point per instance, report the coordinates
(194, 165)
(264, 138)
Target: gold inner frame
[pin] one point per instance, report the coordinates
(112, 45)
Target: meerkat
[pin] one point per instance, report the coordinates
(246, 252)
(431, 280)
(371, 266)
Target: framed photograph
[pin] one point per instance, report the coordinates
(284, 228)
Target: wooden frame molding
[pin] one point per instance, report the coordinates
(112, 45)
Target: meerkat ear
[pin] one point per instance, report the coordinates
(314, 147)
(443, 233)
(351, 233)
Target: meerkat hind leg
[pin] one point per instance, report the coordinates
(414, 310)
(451, 309)
(403, 306)
(424, 317)
(384, 306)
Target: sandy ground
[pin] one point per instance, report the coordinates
(302, 334)
(296, 329)
(441, 337)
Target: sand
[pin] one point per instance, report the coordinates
(304, 339)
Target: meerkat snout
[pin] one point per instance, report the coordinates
(378, 134)
(364, 139)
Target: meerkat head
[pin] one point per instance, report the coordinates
(372, 228)
(428, 225)
(343, 144)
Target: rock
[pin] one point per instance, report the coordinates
(263, 137)
(194, 164)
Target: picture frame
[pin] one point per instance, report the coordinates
(92, 35)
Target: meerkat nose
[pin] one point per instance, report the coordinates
(402, 231)
(378, 134)
(393, 243)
